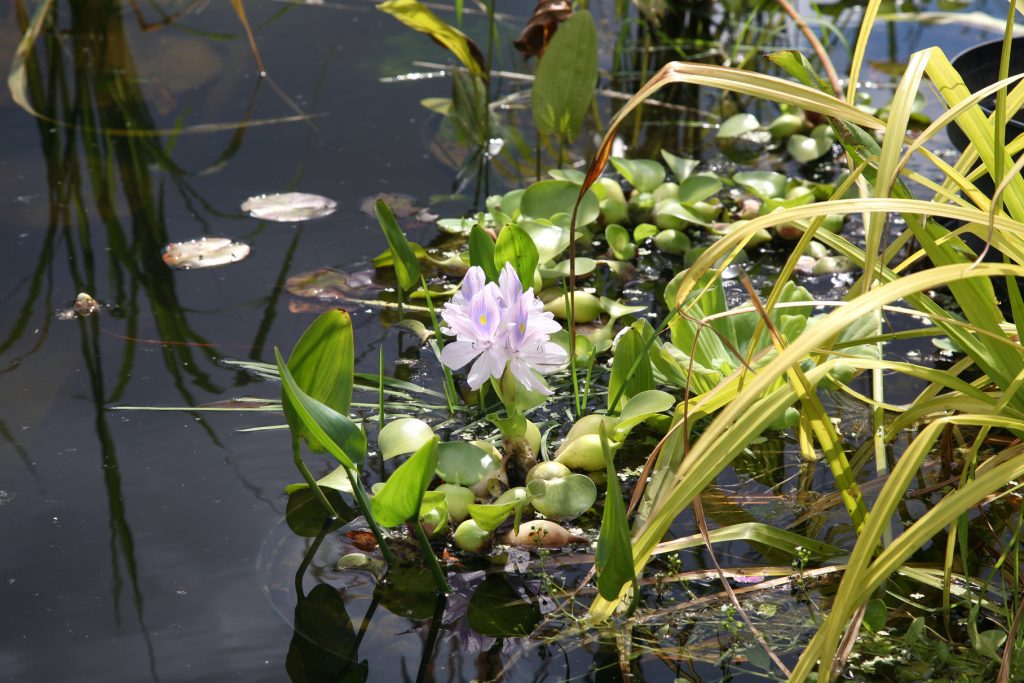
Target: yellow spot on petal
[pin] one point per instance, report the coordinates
(522, 328)
(483, 319)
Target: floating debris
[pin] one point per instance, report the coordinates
(289, 207)
(83, 307)
(205, 252)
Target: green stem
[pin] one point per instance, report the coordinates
(450, 393)
(572, 353)
(313, 486)
(364, 506)
(428, 552)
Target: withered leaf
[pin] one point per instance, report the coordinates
(543, 23)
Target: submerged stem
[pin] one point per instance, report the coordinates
(364, 506)
(313, 486)
(435, 567)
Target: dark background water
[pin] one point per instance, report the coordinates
(135, 544)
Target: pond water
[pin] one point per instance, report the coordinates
(150, 545)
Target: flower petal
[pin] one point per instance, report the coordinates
(458, 354)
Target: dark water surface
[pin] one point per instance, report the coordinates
(150, 545)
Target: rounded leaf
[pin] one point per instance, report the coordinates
(464, 464)
(402, 436)
(546, 198)
(563, 498)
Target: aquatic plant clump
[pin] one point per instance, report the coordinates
(499, 326)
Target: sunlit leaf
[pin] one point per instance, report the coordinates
(405, 435)
(643, 174)
(563, 498)
(407, 267)
(481, 252)
(640, 407)
(400, 498)
(416, 16)
(515, 246)
(323, 427)
(289, 207)
(546, 198)
(205, 252)
(464, 464)
(625, 378)
(323, 360)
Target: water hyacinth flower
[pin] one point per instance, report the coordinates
(499, 326)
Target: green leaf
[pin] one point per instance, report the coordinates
(490, 516)
(546, 198)
(699, 187)
(407, 268)
(737, 125)
(765, 184)
(336, 480)
(416, 16)
(563, 498)
(618, 241)
(323, 359)
(614, 556)
(402, 436)
(464, 464)
(584, 266)
(481, 252)
(515, 246)
(629, 350)
(639, 408)
(876, 614)
(643, 174)
(400, 498)
(681, 167)
(323, 425)
(566, 78)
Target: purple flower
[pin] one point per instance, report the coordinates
(499, 326)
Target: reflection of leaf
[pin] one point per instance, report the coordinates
(416, 16)
(305, 515)
(543, 23)
(409, 592)
(497, 610)
(325, 646)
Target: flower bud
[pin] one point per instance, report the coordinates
(587, 307)
(547, 470)
(471, 538)
(585, 453)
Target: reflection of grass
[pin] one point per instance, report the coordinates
(106, 191)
